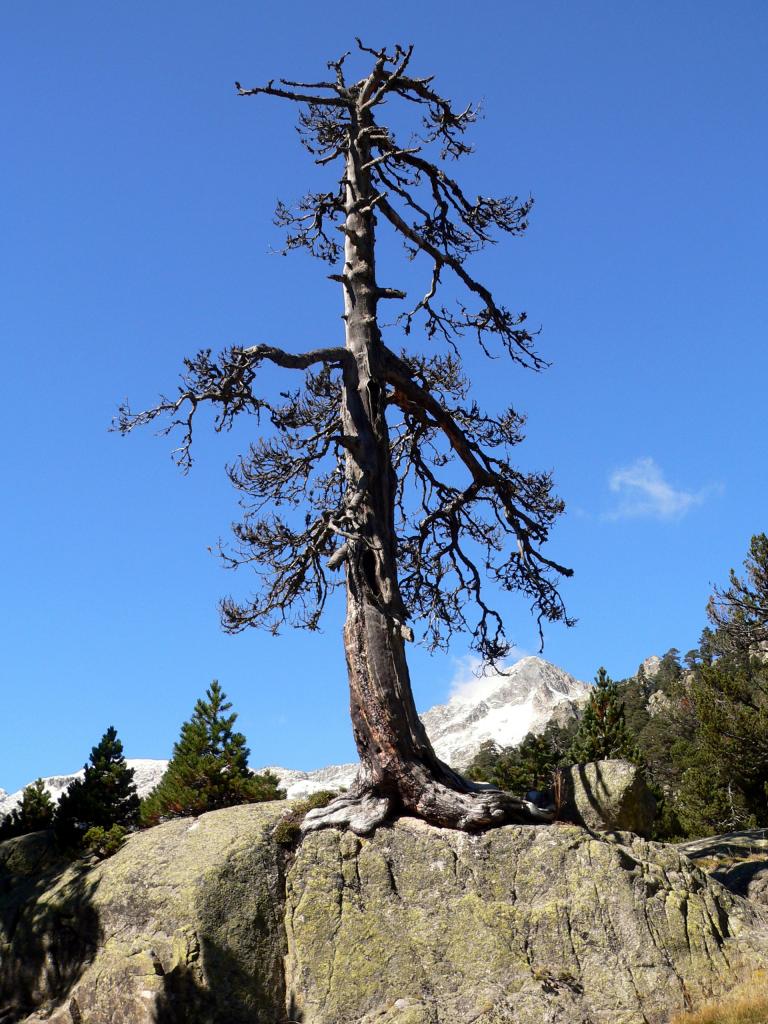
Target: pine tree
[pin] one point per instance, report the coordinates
(602, 732)
(209, 766)
(529, 765)
(707, 802)
(378, 465)
(739, 612)
(34, 813)
(105, 796)
(719, 778)
(483, 765)
(724, 780)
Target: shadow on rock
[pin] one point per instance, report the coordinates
(47, 912)
(609, 795)
(750, 879)
(745, 843)
(233, 970)
(217, 989)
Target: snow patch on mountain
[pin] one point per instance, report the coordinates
(297, 783)
(503, 707)
(147, 774)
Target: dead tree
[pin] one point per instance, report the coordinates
(360, 468)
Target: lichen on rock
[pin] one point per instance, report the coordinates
(610, 795)
(183, 923)
(213, 921)
(522, 924)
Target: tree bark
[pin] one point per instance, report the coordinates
(399, 770)
(432, 215)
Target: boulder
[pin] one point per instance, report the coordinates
(531, 924)
(739, 860)
(610, 795)
(184, 923)
(749, 879)
(209, 921)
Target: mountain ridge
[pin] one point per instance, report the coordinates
(501, 706)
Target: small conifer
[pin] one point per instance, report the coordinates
(34, 813)
(602, 732)
(105, 796)
(209, 766)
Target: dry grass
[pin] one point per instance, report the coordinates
(710, 864)
(746, 1004)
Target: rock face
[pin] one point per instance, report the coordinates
(207, 921)
(524, 924)
(658, 704)
(651, 666)
(610, 795)
(748, 878)
(184, 924)
(739, 860)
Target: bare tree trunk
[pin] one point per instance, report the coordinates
(399, 769)
(433, 216)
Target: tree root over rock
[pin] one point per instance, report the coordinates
(475, 807)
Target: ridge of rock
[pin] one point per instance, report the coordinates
(203, 919)
(651, 666)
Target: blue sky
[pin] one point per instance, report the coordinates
(136, 224)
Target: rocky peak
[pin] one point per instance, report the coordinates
(651, 666)
(502, 707)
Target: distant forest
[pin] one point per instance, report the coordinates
(697, 723)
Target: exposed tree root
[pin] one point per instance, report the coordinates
(474, 807)
(360, 813)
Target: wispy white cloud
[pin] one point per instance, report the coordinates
(643, 492)
(471, 682)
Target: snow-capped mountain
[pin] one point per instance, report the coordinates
(297, 783)
(147, 774)
(498, 707)
(503, 708)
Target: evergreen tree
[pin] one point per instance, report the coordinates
(634, 693)
(483, 765)
(725, 767)
(209, 766)
(529, 765)
(720, 766)
(34, 813)
(739, 612)
(706, 802)
(105, 796)
(669, 672)
(602, 732)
